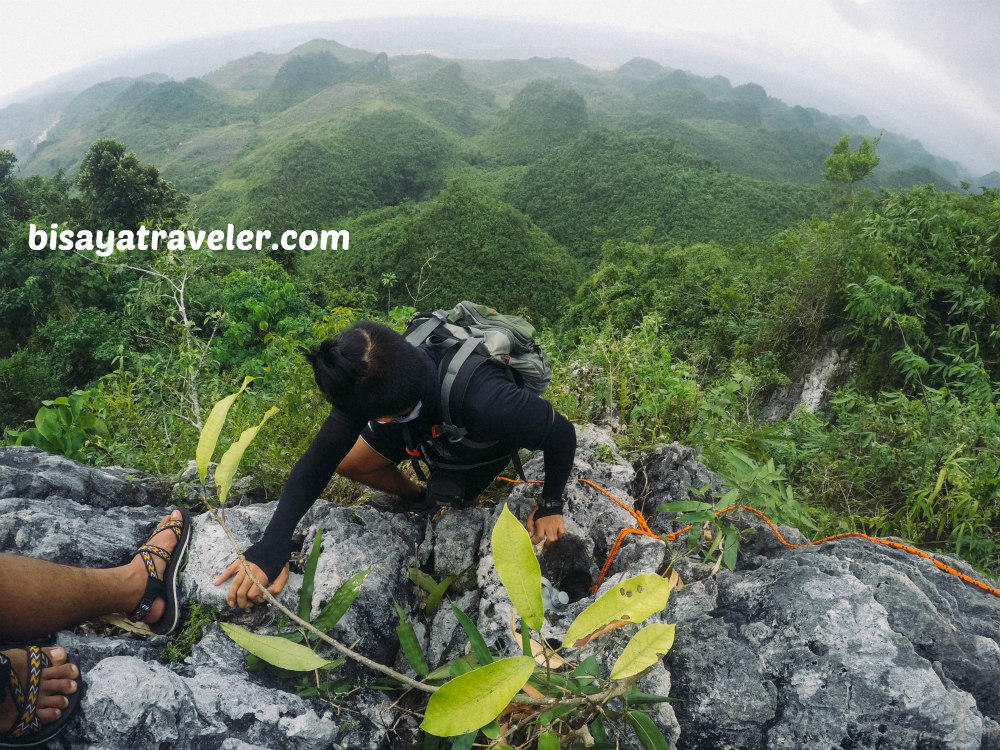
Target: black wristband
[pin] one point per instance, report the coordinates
(549, 506)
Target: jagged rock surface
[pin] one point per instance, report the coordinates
(845, 645)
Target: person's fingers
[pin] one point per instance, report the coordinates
(243, 599)
(234, 588)
(279, 582)
(225, 575)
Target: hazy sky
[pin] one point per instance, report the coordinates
(927, 68)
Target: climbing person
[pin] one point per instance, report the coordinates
(393, 400)
(39, 688)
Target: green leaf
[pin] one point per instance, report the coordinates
(446, 670)
(75, 405)
(548, 741)
(549, 715)
(459, 667)
(588, 668)
(649, 736)
(276, 650)
(434, 598)
(598, 731)
(518, 568)
(340, 603)
(230, 460)
(309, 579)
(47, 422)
(637, 698)
(475, 699)
(630, 601)
(212, 428)
(410, 645)
(479, 647)
(464, 741)
(491, 730)
(646, 648)
(683, 506)
(421, 579)
(732, 551)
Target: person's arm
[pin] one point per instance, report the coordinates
(559, 449)
(496, 409)
(306, 481)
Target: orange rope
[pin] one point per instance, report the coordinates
(644, 530)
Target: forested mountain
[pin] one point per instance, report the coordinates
(688, 249)
(194, 129)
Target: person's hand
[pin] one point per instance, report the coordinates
(548, 528)
(242, 591)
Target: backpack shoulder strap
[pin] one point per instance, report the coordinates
(451, 376)
(419, 335)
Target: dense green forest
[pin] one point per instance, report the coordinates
(687, 248)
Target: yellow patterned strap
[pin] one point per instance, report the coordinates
(26, 696)
(154, 585)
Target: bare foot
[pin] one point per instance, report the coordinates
(165, 540)
(57, 682)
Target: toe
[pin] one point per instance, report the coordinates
(48, 715)
(57, 657)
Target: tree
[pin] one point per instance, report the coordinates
(844, 167)
(118, 191)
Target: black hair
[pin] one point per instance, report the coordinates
(369, 371)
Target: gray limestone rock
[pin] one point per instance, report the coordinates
(67, 531)
(843, 645)
(848, 644)
(29, 472)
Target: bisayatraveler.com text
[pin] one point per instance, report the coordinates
(104, 242)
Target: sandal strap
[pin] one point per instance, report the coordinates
(174, 525)
(26, 697)
(155, 587)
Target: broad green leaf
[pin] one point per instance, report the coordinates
(309, 579)
(340, 603)
(47, 422)
(628, 602)
(475, 699)
(464, 741)
(588, 668)
(276, 650)
(548, 741)
(491, 730)
(518, 568)
(598, 731)
(646, 648)
(551, 714)
(479, 647)
(649, 736)
(421, 579)
(226, 469)
(75, 405)
(212, 428)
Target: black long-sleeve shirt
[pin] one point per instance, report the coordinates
(494, 409)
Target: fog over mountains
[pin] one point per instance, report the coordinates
(598, 48)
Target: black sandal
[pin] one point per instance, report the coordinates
(167, 586)
(28, 730)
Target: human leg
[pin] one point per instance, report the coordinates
(39, 597)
